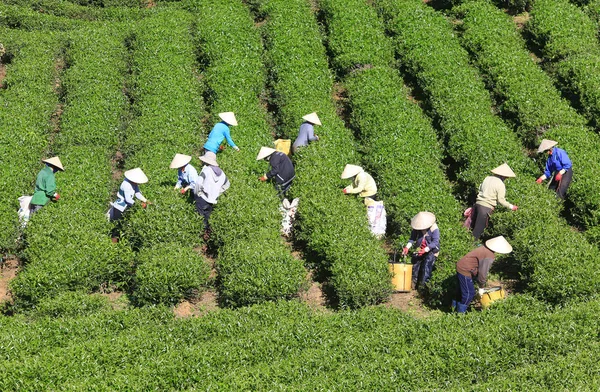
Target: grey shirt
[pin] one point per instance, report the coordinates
(305, 135)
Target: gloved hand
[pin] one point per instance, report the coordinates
(421, 252)
(221, 147)
(144, 204)
(182, 191)
(539, 180)
(514, 208)
(56, 196)
(263, 178)
(344, 191)
(558, 176)
(404, 251)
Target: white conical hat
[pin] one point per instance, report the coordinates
(136, 175)
(210, 158)
(180, 160)
(351, 171)
(265, 152)
(312, 118)
(498, 245)
(504, 170)
(54, 161)
(546, 144)
(423, 220)
(229, 118)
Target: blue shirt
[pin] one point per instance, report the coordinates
(305, 135)
(219, 132)
(127, 191)
(558, 161)
(186, 176)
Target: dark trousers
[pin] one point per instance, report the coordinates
(467, 292)
(422, 263)
(115, 215)
(203, 208)
(561, 186)
(479, 219)
(33, 208)
(282, 189)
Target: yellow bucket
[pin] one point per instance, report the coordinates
(492, 295)
(401, 276)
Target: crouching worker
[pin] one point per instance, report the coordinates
(559, 164)
(282, 170)
(363, 183)
(45, 185)
(427, 236)
(476, 264)
(186, 173)
(125, 198)
(307, 131)
(210, 184)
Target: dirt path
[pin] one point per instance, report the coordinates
(198, 307)
(9, 270)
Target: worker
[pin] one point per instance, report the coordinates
(427, 236)
(363, 183)
(491, 192)
(307, 131)
(186, 173)
(221, 131)
(210, 184)
(477, 264)
(559, 164)
(45, 184)
(125, 198)
(282, 169)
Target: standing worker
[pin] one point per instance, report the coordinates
(128, 189)
(221, 131)
(45, 184)
(477, 264)
(427, 235)
(307, 131)
(363, 183)
(491, 192)
(558, 162)
(282, 169)
(186, 173)
(210, 184)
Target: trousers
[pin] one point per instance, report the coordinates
(422, 264)
(467, 292)
(479, 219)
(203, 208)
(561, 186)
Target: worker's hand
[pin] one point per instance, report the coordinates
(263, 178)
(237, 148)
(176, 187)
(514, 208)
(144, 205)
(317, 137)
(56, 196)
(182, 191)
(404, 251)
(539, 180)
(221, 147)
(481, 291)
(558, 176)
(421, 251)
(344, 191)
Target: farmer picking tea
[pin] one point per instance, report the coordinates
(363, 183)
(221, 131)
(125, 198)
(426, 235)
(307, 131)
(559, 164)
(282, 169)
(210, 184)
(45, 185)
(186, 173)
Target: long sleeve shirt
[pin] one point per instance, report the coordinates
(282, 168)
(476, 263)
(305, 135)
(431, 239)
(127, 191)
(491, 192)
(211, 184)
(186, 176)
(45, 187)
(219, 132)
(559, 160)
(363, 184)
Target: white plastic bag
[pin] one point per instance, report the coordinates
(288, 212)
(23, 212)
(377, 217)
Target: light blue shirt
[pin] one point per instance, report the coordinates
(125, 196)
(186, 176)
(219, 132)
(558, 161)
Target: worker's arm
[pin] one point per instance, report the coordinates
(311, 134)
(192, 177)
(484, 269)
(501, 196)
(225, 186)
(140, 197)
(229, 139)
(50, 186)
(434, 244)
(358, 185)
(275, 161)
(549, 168)
(412, 239)
(128, 193)
(565, 162)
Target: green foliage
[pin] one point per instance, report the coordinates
(71, 304)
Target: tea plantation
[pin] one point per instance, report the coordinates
(426, 96)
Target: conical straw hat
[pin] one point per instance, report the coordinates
(265, 152)
(229, 118)
(498, 245)
(546, 144)
(54, 161)
(423, 220)
(351, 171)
(210, 158)
(180, 160)
(136, 175)
(504, 170)
(312, 118)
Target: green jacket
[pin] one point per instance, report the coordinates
(45, 187)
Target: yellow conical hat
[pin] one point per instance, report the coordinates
(423, 220)
(180, 160)
(546, 144)
(265, 152)
(351, 171)
(504, 170)
(54, 161)
(498, 245)
(229, 118)
(136, 175)
(312, 118)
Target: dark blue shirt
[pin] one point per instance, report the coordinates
(559, 160)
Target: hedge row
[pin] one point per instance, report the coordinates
(410, 181)
(167, 112)
(529, 96)
(554, 259)
(68, 247)
(254, 264)
(333, 225)
(27, 100)
(287, 346)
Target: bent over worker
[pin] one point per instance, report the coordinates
(477, 264)
(426, 235)
(210, 184)
(45, 184)
(282, 169)
(307, 131)
(125, 197)
(221, 131)
(363, 183)
(491, 192)
(559, 164)
(186, 173)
